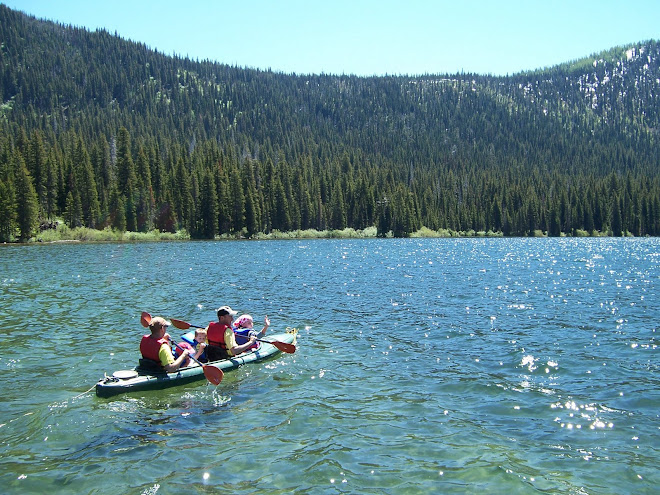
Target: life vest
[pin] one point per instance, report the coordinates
(243, 335)
(216, 335)
(216, 348)
(178, 352)
(149, 347)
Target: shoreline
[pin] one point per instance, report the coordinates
(63, 235)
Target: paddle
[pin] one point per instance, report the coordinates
(282, 346)
(212, 373)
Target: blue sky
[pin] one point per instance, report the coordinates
(367, 37)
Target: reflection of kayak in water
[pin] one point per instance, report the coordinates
(141, 378)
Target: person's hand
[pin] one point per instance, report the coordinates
(266, 321)
(203, 345)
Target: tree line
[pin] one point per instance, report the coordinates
(137, 186)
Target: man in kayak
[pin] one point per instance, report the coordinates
(157, 346)
(220, 336)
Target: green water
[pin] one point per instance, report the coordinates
(422, 366)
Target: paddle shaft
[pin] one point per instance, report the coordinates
(189, 355)
(282, 346)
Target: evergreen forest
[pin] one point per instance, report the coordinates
(99, 132)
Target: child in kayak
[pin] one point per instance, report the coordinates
(244, 329)
(200, 344)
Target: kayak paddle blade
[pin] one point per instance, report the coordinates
(284, 347)
(180, 324)
(145, 319)
(213, 374)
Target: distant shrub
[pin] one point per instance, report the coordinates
(64, 233)
(426, 232)
(370, 232)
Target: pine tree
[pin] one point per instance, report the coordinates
(145, 198)
(86, 184)
(7, 211)
(588, 218)
(126, 179)
(617, 227)
(165, 219)
(532, 218)
(118, 211)
(384, 218)
(182, 195)
(238, 200)
(53, 181)
(554, 226)
(280, 218)
(252, 207)
(208, 208)
(496, 215)
(36, 164)
(27, 211)
(251, 224)
(71, 217)
(338, 209)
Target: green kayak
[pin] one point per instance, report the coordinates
(139, 379)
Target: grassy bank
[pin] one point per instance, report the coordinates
(63, 233)
(82, 234)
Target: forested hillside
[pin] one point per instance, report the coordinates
(108, 133)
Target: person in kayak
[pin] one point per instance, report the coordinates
(156, 346)
(200, 342)
(244, 329)
(221, 338)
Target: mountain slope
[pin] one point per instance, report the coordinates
(572, 124)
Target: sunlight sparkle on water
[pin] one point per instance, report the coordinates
(528, 361)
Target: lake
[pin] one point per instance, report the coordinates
(422, 366)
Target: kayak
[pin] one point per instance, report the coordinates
(140, 379)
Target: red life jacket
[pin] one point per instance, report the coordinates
(216, 335)
(217, 348)
(149, 347)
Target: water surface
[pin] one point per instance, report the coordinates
(435, 365)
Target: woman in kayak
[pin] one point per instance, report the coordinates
(156, 346)
(221, 338)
